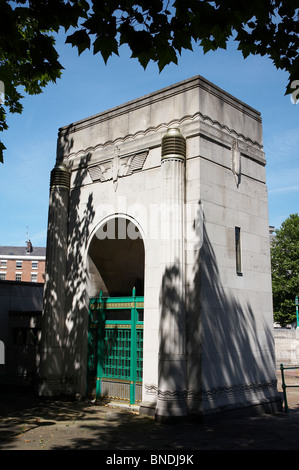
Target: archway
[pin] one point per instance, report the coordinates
(116, 258)
(115, 333)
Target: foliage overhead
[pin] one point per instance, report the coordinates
(285, 270)
(154, 30)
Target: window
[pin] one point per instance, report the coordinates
(2, 276)
(33, 277)
(18, 276)
(238, 250)
(19, 264)
(3, 263)
(34, 264)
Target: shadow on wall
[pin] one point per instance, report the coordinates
(82, 214)
(64, 299)
(230, 348)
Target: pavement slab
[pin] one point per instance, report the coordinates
(28, 423)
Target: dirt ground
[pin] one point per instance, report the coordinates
(27, 423)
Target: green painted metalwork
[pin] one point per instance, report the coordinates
(115, 346)
(285, 386)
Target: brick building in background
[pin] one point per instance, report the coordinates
(25, 264)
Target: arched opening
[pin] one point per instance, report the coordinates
(115, 332)
(116, 259)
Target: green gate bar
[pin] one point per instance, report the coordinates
(115, 342)
(134, 318)
(285, 386)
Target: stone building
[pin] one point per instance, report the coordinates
(158, 281)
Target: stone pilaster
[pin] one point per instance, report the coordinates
(171, 402)
(51, 367)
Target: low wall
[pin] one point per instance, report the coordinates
(21, 305)
(286, 346)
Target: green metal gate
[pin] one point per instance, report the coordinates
(115, 348)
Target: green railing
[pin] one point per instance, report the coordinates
(115, 345)
(285, 386)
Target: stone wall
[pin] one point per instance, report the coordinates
(208, 320)
(21, 306)
(286, 346)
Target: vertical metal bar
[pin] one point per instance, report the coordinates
(284, 387)
(100, 346)
(133, 348)
(297, 315)
(90, 348)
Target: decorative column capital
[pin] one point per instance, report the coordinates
(173, 145)
(60, 177)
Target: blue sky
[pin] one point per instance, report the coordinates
(88, 86)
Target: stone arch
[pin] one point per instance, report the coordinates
(116, 257)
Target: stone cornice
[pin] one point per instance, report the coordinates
(160, 95)
(162, 127)
(23, 257)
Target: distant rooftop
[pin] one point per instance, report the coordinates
(25, 250)
(272, 231)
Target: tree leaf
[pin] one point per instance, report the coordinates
(285, 270)
(79, 39)
(106, 46)
(2, 148)
(153, 29)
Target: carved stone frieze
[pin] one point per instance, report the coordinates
(118, 167)
(236, 162)
(214, 393)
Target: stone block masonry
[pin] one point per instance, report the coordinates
(167, 194)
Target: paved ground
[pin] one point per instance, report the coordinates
(31, 424)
